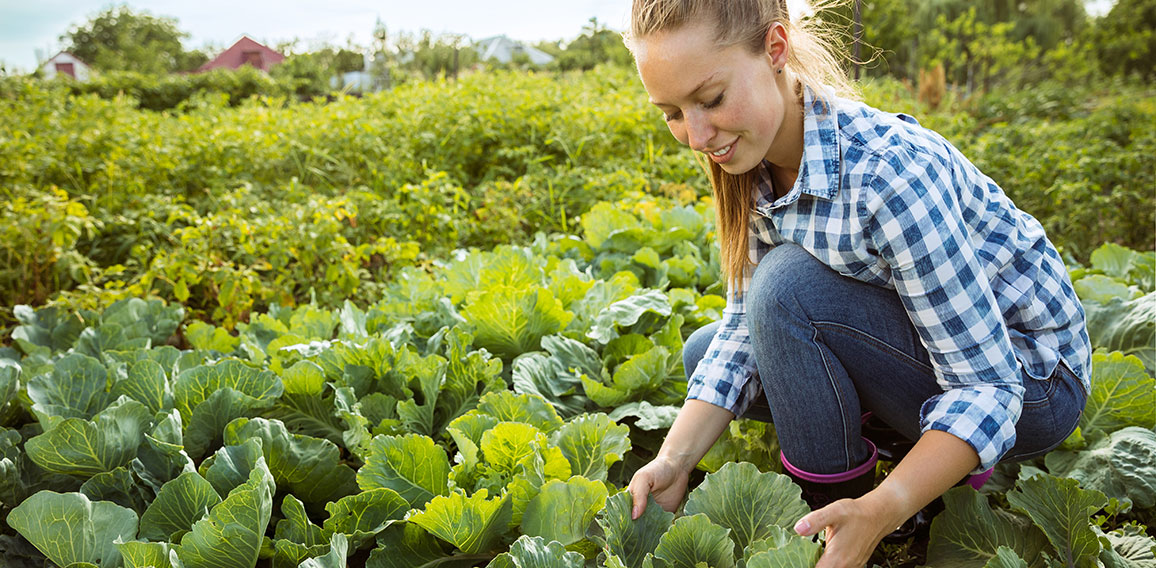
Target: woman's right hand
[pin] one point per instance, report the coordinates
(664, 479)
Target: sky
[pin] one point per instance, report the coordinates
(30, 25)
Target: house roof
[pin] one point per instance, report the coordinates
(241, 53)
(503, 50)
(68, 53)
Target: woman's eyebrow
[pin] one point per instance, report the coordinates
(692, 93)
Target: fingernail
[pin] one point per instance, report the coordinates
(802, 526)
(634, 513)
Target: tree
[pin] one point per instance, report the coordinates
(1126, 38)
(1050, 22)
(597, 44)
(903, 37)
(888, 38)
(307, 73)
(119, 39)
(434, 55)
(310, 72)
(974, 53)
(379, 67)
(346, 60)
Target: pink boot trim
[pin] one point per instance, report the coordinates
(976, 481)
(833, 477)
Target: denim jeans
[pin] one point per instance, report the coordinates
(829, 347)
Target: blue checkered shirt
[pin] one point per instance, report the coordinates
(885, 201)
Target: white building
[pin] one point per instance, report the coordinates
(355, 82)
(361, 81)
(66, 64)
(503, 49)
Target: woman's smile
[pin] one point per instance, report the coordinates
(724, 154)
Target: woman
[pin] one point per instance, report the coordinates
(871, 268)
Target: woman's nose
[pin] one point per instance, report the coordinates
(699, 131)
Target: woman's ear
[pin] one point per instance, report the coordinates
(777, 46)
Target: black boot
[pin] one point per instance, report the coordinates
(918, 526)
(891, 445)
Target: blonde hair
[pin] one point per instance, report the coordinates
(811, 61)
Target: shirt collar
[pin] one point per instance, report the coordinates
(819, 170)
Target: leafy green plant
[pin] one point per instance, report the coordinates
(405, 448)
(736, 514)
(350, 385)
(1119, 297)
(39, 237)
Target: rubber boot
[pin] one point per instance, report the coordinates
(891, 445)
(976, 481)
(820, 490)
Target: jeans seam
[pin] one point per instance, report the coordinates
(1071, 375)
(838, 396)
(891, 351)
(830, 378)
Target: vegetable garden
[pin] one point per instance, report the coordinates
(442, 326)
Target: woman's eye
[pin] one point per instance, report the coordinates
(708, 105)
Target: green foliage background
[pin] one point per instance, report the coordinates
(205, 204)
(429, 314)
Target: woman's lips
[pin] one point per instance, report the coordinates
(724, 154)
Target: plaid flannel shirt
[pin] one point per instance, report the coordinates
(885, 201)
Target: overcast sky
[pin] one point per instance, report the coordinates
(28, 25)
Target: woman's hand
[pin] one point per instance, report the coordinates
(854, 528)
(694, 431)
(664, 479)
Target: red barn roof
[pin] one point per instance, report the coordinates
(245, 52)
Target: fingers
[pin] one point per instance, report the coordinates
(848, 541)
(639, 488)
(817, 520)
(809, 525)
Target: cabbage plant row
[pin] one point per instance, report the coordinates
(489, 412)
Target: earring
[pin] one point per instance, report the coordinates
(779, 71)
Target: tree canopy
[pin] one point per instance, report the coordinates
(120, 39)
(597, 44)
(1126, 38)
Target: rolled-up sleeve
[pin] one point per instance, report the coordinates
(917, 227)
(724, 375)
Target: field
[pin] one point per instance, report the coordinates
(442, 326)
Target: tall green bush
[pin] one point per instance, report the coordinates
(170, 92)
(1125, 38)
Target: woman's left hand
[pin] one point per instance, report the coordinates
(854, 528)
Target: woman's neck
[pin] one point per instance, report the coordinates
(781, 180)
(786, 158)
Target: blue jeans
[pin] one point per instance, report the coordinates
(829, 347)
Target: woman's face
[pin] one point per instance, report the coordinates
(728, 103)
